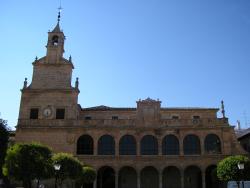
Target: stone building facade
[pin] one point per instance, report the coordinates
(149, 146)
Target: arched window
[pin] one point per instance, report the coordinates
(127, 145)
(127, 178)
(106, 145)
(192, 145)
(149, 177)
(170, 145)
(212, 144)
(192, 177)
(106, 177)
(149, 145)
(85, 145)
(171, 177)
(55, 40)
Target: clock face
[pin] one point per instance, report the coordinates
(47, 112)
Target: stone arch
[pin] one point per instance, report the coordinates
(211, 178)
(106, 177)
(192, 177)
(127, 145)
(149, 145)
(106, 145)
(149, 177)
(191, 145)
(212, 144)
(85, 145)
(127, 177)
(170, 145)
(171, 177)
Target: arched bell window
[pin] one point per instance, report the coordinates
(55, 40)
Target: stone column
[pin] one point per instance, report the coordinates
(203, 179)
(116, 179)
(95, 184)
(202, 147)
(138, 147)
(138, 179)
(160, 146)
(182, 178)
(116, 146)
(181, 145)
(95, 146)
(160, 179)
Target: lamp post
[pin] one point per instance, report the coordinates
(241, 168)
(57, 168)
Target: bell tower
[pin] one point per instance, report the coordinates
(50, 94)
(55, 44)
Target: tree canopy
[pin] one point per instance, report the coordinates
(227, 169)
(4, 137)
(88, 175)
(26, 162)
(70, 167)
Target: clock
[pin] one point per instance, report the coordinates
(47, 112)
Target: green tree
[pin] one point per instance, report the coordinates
(88, 176)
(4, 137)
(26, 162)
(227, 169)
(70, 167)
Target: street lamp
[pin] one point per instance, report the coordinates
(241, 168)
(57, 168)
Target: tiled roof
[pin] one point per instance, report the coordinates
(242, 132)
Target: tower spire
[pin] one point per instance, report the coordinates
(59, 14)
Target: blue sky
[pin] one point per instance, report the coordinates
(187, 53)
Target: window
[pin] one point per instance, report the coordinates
(55, 40)
(88, 118)
(175, 117)
(191, 145)
(170, 145)
(149, 145)
(34, 113)
(114, 117)
(60, 113)
(106, 145)
(196, 117)
(212, 144)
(85, 145)
(127, 145)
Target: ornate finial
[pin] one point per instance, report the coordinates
(238, 125)
(36, 58)
(223, 109)
(25, 83)
(77, 83)
(70, 59)
(59, 13)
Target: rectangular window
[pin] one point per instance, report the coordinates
(60, 113)
(175, 117)
(88, 118)
(114, 117)
(196, 117)
(34, 113)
